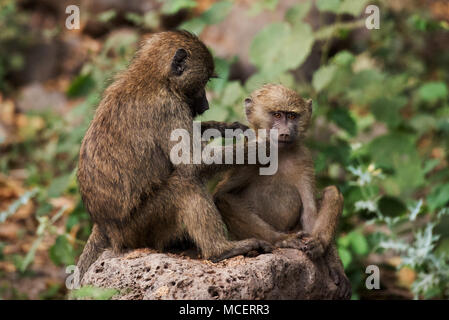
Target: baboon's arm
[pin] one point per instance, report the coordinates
(233, 181)
(222, 126)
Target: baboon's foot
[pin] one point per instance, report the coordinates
(249, 247)
(304, 242)
(341, 281)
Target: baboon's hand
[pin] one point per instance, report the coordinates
(294, 240)
(340, 279)
(304, 242)
(245, 247)
(312, 247)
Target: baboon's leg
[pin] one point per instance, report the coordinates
(198, 213)
(329, 214)
(242, 222)
(337, 273)
(331, 207)
(95, 245)
(184, 206)
(315, 242)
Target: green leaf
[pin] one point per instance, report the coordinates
(135, 18)
(222, 69)
(44, 208)
(267, 45)
(438, 197)
(343, 58)
(323, 76)
(387, 109)
(430, 165)
(233, 92)
(279, 47)
(259, 79)
(95, 293)
(391, 206)
(217, 12)
(353, 7)
(59, 185)
(80, 86)
(216, 113)
(433, 91)
(107, 16)
(260, 5)
(397, 151)
(173, 6)
(423, 123)
(345, 256)
(298, 12)
(194, 26)
(2, 255)
(151, 20)
(12, 209)
(31, 253)
(358, 243)
(343, 119)
(62, 252)
(328, 5)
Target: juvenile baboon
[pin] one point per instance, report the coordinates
(281, 208)
(135, 195)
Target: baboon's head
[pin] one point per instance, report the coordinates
(180, 61)
(276, 107)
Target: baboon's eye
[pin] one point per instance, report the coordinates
(277, 115)
(292, 116)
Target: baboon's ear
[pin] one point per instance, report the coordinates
(309, 105)
(248, 105)
(178, 63)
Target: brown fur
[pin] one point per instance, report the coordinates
(281, 208)
(136, 197)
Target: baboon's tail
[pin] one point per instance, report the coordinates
(95, 245)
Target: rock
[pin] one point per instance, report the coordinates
(145, 274)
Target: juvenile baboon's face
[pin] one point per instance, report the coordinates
(286, 123)
(277, 107)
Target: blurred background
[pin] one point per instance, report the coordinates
(380, 129)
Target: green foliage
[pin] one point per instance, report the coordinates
(62, 252)
(173, 6)
(94, 293)
(420, 254)
(380, 129)
(323, 76)
(353, 7)
(280, 47)
(433, 91)
(259, 6)
(215, 14)
(16, 205)
(14, 37)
